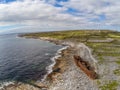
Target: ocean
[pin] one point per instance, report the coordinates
(25, 60)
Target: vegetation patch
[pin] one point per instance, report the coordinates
(111, 85)
(114, 36)
(117, 72)
(101, 59)
(98, 82)
(118, 62)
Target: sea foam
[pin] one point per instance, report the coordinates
(53, 59)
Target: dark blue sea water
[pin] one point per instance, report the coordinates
(24, 59)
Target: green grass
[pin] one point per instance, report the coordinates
(101, 59)
(109, 54)
(118, 62)
(98, 82)
(117, 72)
(114, 36)
(111, 85)
(73, 34)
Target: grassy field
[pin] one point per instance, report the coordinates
(103, 42)
(105, 45)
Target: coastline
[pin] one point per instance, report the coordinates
(77, 80)
(62, 66)
(101, 47)
(55, 61)
(67, 54)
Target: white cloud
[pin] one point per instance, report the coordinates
(93, 8)
(20, 12)
(39, 13)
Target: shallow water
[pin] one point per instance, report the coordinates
(24, 59)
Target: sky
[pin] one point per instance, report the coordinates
(46, 15)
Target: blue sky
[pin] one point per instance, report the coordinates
(25, 15)
(7, 1)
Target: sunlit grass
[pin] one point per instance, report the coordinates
(114, 36)
(111, 85)
(117, 72)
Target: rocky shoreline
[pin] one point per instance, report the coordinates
(65, 75)
(72, 78)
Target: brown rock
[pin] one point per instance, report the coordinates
(85, 66)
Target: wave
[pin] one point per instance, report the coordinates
(5, 84)
(53, 59)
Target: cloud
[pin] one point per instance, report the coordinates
(34, 12)
(60, 13)
(94, 9)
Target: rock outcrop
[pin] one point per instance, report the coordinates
(85, 66)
